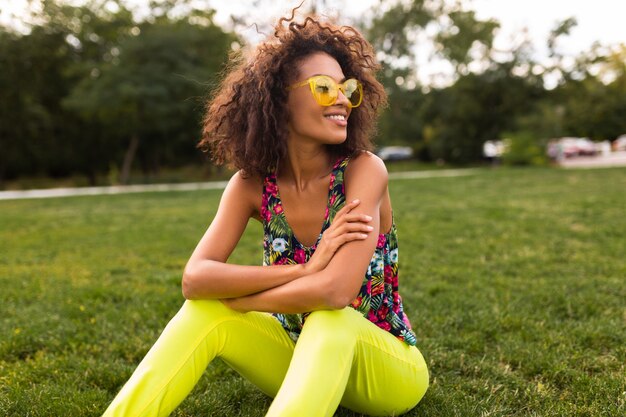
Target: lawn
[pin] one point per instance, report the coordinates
(514, 280)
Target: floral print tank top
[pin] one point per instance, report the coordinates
(379, 300)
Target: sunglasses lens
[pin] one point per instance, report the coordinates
(324, 90)
(353, 92)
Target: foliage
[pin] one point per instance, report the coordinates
(513, 279)
(394, 31)
(594, 108)
(87, 79)
(93, 91)
(491, 91)
(155, 85)
(30, 82)
(477, 108)
(523, 148)
(583, 105)
(447, 123)
(399, 123)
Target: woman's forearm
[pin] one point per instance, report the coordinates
(212, 279)
(333, 287)
(308, 293)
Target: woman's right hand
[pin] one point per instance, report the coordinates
(346, 227)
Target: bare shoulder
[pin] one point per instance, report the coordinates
(246, 183)
(366, 166)
(247, 189)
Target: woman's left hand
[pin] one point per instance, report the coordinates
(347, 226)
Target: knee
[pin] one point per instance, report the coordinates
(207, 309)
(335, 326)
(338, 319)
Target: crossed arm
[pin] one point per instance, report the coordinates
(332, 277)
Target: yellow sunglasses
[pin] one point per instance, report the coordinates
(326, 91)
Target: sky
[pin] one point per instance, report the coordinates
(598, 20)
(602, 20)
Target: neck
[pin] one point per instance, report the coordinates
(305, 163)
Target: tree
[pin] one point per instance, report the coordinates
(31, 80)
(40, 67)
(89, 87)
(477, 108)
(593, 108)
(440, 123)
(150, 93)
(402, 26)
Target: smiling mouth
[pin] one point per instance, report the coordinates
(336, 117)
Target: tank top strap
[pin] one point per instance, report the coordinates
(270, 193)
(338, 171)
(269, 180)
(337, 191)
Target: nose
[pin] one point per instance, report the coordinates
(342, 99)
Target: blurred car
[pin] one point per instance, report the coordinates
(395, 153)
(571, 147)
(619, 144)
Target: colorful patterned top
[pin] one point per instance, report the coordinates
(378, 299)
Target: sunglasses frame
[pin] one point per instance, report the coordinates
(337, 87)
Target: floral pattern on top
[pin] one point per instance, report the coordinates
(378, 300)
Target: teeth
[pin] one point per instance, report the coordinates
(337, 117)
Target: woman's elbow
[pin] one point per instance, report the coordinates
(339, 301)
(340, 297)
(189, 284)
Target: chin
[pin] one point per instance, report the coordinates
(337, 137)
(336, 141)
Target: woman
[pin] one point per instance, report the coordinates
(295, 120)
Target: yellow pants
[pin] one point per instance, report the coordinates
(340, 358)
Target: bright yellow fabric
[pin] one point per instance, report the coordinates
(340, 358)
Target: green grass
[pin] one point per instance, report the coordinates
(514, 281)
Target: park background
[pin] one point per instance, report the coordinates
(107, 92)
(513, 275)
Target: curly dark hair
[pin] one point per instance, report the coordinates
(246, 121)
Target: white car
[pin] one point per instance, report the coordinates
(571, 147)
(395, 153)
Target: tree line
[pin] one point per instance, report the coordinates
(93, 90)
(89, 90)
(494, 94)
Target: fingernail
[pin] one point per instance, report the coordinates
(355, 201)
(370, 228)
(368, 217)
(363, 236)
